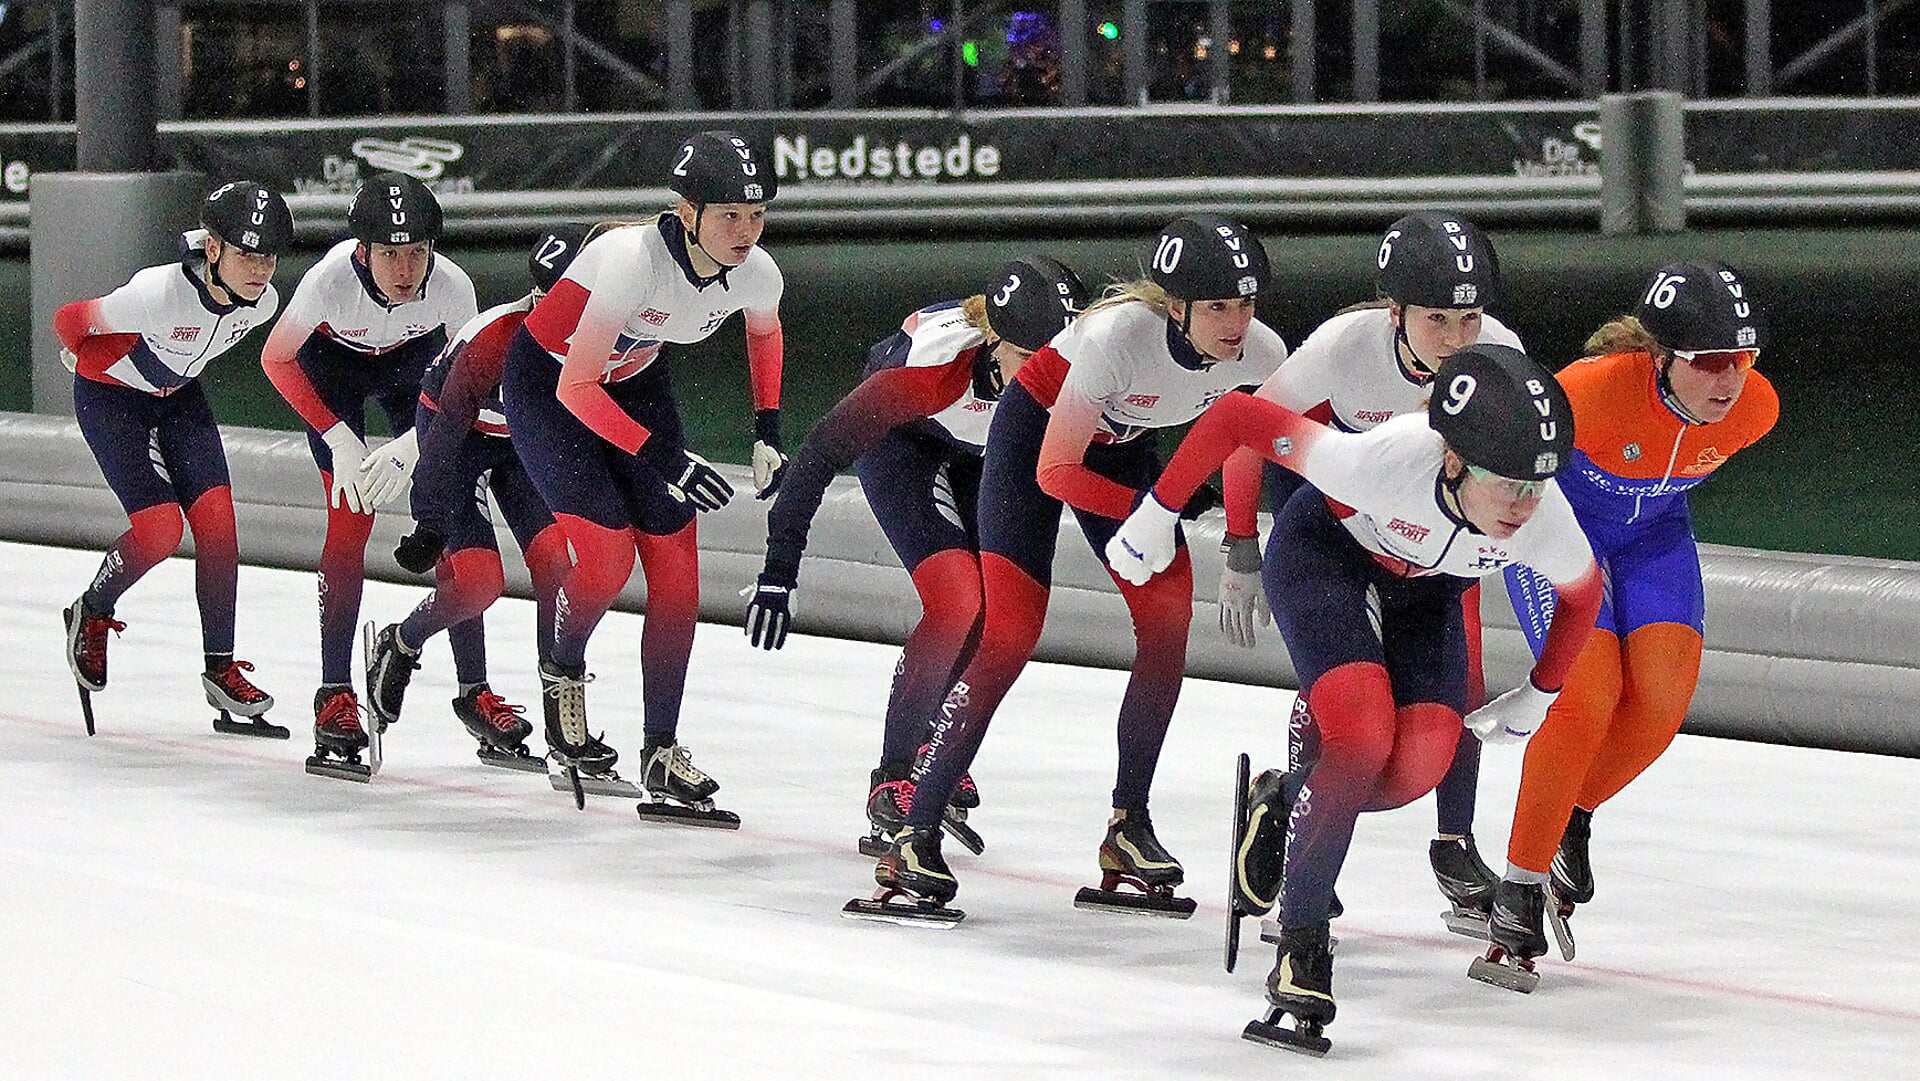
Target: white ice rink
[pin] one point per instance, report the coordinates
(180, 904)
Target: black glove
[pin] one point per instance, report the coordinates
(769, 614)
(700, 484)
(419, 550)
(1204, 498)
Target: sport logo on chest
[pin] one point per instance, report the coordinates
(186, 334)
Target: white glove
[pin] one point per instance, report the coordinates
(386, 473)
(768, 465)
(1243, 600)
(67, 358)
(1513, 716)
(348, 452)
(1145, 544)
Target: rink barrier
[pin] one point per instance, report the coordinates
(1810, 650)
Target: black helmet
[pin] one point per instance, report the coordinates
(1207, 257)
(554, 252)
(1032, 298)
(721, 167)
(1499, 409)
(248, 217)
(1701, 305)
(1437, 261)
(394, 208)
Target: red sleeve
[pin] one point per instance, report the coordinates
(885, 400)
(1574, 611)
(279, 358)
(473, 373)
(1240, 479)
(74, 323)
(1042, 375)
(587, 398)
(1235, 421)
(766, 347)
(1062, 471)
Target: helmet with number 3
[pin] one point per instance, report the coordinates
(1208, 257)
(1031, 299)
(1498, 409)
(1697, 305)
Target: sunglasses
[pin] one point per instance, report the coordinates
(1508, 486)
(1715, 361)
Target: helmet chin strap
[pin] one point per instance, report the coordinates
(1664, 380)
(1401, 341)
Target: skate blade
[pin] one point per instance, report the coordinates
(955, 824)
(1562, 932)
(86, 706)
(339, 769)
(1305, 1039)
(1471, 924)
(902, 914)
(1137, 904)
(517, 760)
(681, 815)
(1270, 934)
(597, 786)
(1501, 974)
(1242, 770)
(875, 847)
(258, 727)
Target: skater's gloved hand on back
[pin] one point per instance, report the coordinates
(699, 483)
(1513, 716)
(769, 457)
(386, 473)
(348, 452)
(1243, 601)
(419, 550)
(1145, 543)
(769, 613)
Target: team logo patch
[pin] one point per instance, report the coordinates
(186, 334)
(1466, 294)
(1708, 461)
(1414, 533)
(1746, 337)
(1283, 446)
(1248, 285)
(1631, 452)
(1547, 462)
(249, 239)
(1144, 401)
(655, 316)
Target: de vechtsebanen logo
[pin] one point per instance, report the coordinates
(417, 156)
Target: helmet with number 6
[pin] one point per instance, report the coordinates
(1700, 305)
(1497, 408)
(1208, 257)
(1437, 261)
(554, 252)
(1033, 298)
(720, 167)
(393, 208)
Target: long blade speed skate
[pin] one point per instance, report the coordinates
(1304, 1037)
(1514, 937)
(1300, 986)
(519, 758)
(1131, 856)
(1559, 912)
(888, 906)
(1240, 778)
(677, 791)
(338, 737)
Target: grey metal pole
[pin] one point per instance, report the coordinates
(56, 63)
(1133, 50)
(956, 18)
(1220, 29)
(1871, 42)
(843, 47)
(1366, 50)
(1074, 53)
(1759, 48)
(1593, 47)
(679, 30)
(166, 60)
(569, 58)
(1302, 47)
(1663, 135)
(313, 57)
(736, 64)
(457, 56)
(1480, 50)
(1672, 36)
(759, 50)
(113, 102)
(1620, 172)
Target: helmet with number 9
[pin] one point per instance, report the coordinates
(1208, 257)
(1437, 261)
(1033, 298)
(553, 252)
(1699, 305)
(394, 208)
(720, 167)
(1498, 409)
(248, 217)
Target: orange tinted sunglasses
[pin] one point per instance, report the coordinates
(1715, 361)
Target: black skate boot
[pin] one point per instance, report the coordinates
(1467, 883)
(338, 737)
(889, 801)
(1572, 879)
(390, 667)
(499, 727)
(87, 650)
(677, 790)
(1260, 847)
(1132, 856)
(915, 885)
(965, 798)
(1514, 936)
(1300, 986)
(586, 764)
(230, 691)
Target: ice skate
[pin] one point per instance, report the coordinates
(585, 764)
(889, 800)
(338, 737)
(678, 791)
(1466, 882)
(87, 651)
(1514, 937)
(390, 667)
(1300, 986)
(915, 885)
(230, 692)
(1571, 881)
(965, 798)
(499, 727)
(1132, 856)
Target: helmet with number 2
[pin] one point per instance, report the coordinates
(1498, 409)
(1698, 306)
(554, 252)
(1208, 257)
(720, 167)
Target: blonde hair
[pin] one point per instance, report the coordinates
(975, 310)
(1368, 305)
(1137, 291)
(1622, 334)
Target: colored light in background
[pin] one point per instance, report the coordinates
(970, 54)
(1110, 31)
(936, 25)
